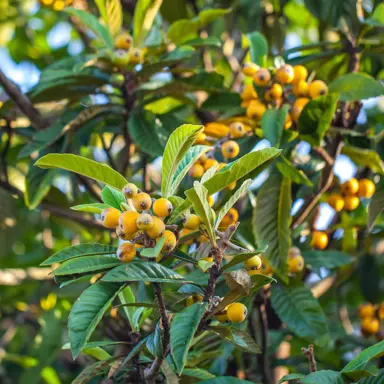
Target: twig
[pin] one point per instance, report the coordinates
(23, 102)
(107, 152)
(4, 152)
(310, 353)
(324, 155)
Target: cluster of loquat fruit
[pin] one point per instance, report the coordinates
(371, 316)
(125, 53)
(56, 5)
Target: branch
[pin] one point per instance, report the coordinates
(23, 102)
(310, 353)
(107, 152)
(90, 187)
(4, 152)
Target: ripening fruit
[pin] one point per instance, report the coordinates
(248, 93)
(195, 298)
(288, 121)
(210, 200)
(144, 221)
(366, 188)
(298, 107)
(185, 232)
(110, 217)
(157, 230)
(276, 91)
(126, 236)
(253, 263)
(217, 130)
(319, 240)
(351, 203)
(300, 89)
(296, 264)
(136, 56)
(126, 252)
(262, 77)
(237, 312)
(222, 316)
(170, 241)
(58, 5)
(370, 326)
(142, 201)
(367, 310)
(231, 186)
(192, 222)
(208, 259)
(209, 163)
(196, 171)
(120, 58)
(230, 149)
(201, 137)
(285, 74)
(317, 88)
(350, 187)
(381, 311)
(233, 214)
(237, 130)
(336, 201)
(130, 190)
(124, 41)
(162, 207)
(250, 69)
(127, 222)
(300, 73)
(256, 110)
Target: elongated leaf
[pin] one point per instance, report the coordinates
(102, 10)
(237, 259)
(114, 12)
(210, 41)
(112, 197)
(183, 328)
(356, 86)
(272, 219)
(239, 338)
(326, 376)
(86, 264)
(85, 167)
(155, 251)
(291, 376)
(258, 47)
(367, 157)
(198, 196)
(260, 280)
(289, 171)
(38, 183)
(326, 259)
(359, 367)
(232, 200)
(183, 256)
(87, 249)
(154, 344)
(91, 208)
(143, 271)
(149, 17)
(93, 24)
(376, 206)
(209, 173)
(316, 118)
(87, 311)
(199, 373)
(272, 124)
(300, 311)
(126, 297)
(178, 144)
(374, 379)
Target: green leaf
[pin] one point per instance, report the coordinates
(232, 200)
(178, 254)
(199, 373)
(94, 349)
(258, 47)
(83, 166)
(93, 24)
(178, 144)
(326, 376)
(38, 183)
(102, 10)
(183, 328)
(143, 129)
(87, 311)
(272, 220)
(288, 170)
(126, 297)
(326, 259)
(204, 265)
(376, 206)
(300, 311)
(374, 379)
(86, 264)
(87, 249)
(90, 208)
(155, 251)
(367, 157)
(272, 124)
(291, 376)
(241, 257)
(198, 196)
(356, 86)
(112, 197)
(260, 280)
(237, 337)
(145, 13)
(359, 367)
(316, 117)
(225, 380)
(114, 12)
(210, 41)
(154, 344)
(143, 271)
(221, 102)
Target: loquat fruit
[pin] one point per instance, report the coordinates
(300, 73)
(237, 130)
(237, 312)
(209, 163)
(230, 149)
(296, 264)
(185, 232)
(351, 203)
(262, 77)
(350, 187)
(317, 88)
(336, 201)
(300, 89)
(201, 137)
(170, 241)
(110, 217)
(256, 110)
(288, 121)
(192, 222)
(370, 326)
(367, 310)
(123, 41)
(144, 221)
(253, 263)
(366, 188)
(298, 107)
(319, 240)
(210, 200)
(222, 316)
(162, 207)
(231, 186)
(127, 222)
(249, 69)
(195, 298)
(130, 190)
(142, 201)
(120, 58)
(196, 171)
(248, 93)
(158, 228)
(276, 91)
(126, 252)
(285, 74)
(136, 56)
